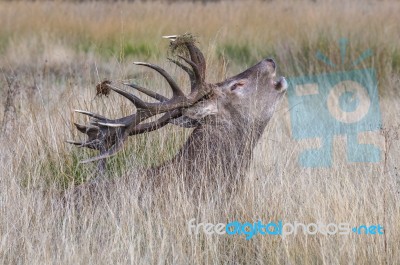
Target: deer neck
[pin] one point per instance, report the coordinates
(215, 149)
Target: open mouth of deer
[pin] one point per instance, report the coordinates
(109, 135)
(281, 85)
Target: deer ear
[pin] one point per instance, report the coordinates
(201, 110)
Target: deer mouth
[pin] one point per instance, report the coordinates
(281, 85)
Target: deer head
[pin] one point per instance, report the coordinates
(248, 98)
(244, 101)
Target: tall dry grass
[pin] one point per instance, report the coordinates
(58, 51)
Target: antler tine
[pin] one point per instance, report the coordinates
(147, 92)
(192, 77)
(198, 58)
(111, 124)
(74, 142)
(177, 92)
(91, 130)
(91, 114)
(196, 70)
(152, 108)
(183, 67)
(85, 129)
(132, 98)
(154, 125)
(156, 108)
(177, 101)
(122, 135)
(94, 144)
(111, 152)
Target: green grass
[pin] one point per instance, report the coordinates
(395, 58)
(239, 54)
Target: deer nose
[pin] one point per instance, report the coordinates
(272, 62)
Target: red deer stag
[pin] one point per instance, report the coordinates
(228, 117)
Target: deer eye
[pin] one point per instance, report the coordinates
(238, 84)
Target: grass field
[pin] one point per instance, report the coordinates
(52, 54)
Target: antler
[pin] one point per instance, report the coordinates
(108, 135)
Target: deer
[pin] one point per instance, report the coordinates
(227, 118)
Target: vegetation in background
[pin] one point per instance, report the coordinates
(59, 51)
